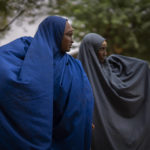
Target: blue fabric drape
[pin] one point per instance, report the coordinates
(46, 100)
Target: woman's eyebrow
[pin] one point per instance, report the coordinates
(70, 31)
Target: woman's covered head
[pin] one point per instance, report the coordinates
(57, 32)
(95, 42)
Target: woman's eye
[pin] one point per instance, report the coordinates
(103, 48)
(69, 34)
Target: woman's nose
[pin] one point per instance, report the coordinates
(105, 53)
(72, 40)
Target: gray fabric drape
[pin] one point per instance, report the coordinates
(121, 88)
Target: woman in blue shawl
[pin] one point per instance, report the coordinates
(46, 100)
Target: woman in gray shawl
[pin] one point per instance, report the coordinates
(121, 88)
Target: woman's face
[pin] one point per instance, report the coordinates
(102, 52)
(67, 38)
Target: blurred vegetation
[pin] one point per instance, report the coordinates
(125, 24)
(17, 10)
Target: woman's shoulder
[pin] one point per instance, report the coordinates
(76, 64)
(126, 59)
(74, 60)
(17, 48)
(22, 41)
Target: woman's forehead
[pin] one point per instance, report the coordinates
(104, 43)
(68, 27)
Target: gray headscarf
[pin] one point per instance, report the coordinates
(121, 88)
(90, 46)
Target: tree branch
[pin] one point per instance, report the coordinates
(18, 15)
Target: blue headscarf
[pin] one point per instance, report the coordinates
(46, 100)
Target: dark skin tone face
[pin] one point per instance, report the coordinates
(67, 38)
(102, 52)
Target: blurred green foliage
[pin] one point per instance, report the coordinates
(125, 24)
(10, 9)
